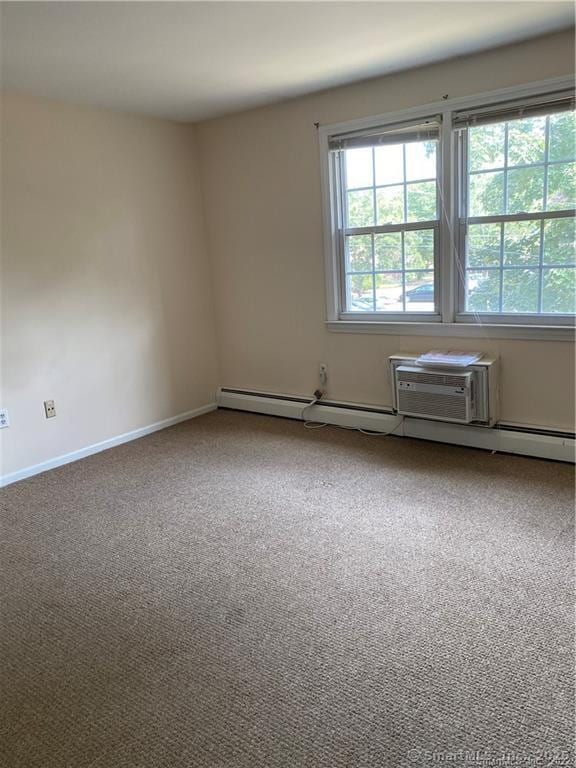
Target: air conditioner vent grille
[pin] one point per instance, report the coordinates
(441, 406)
(433, 394)
(439, 379)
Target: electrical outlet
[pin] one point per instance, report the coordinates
(49, 409)
(4, 420)
(323, 373)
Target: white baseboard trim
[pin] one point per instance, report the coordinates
(67, 458)
(558, 448)
(526, 443)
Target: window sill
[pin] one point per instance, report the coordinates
(465, 330)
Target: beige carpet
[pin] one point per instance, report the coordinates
(238, 592)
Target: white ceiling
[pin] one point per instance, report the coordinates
(195, 60)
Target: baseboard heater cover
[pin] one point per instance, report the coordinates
(328, 411)
(501, 439)
(305, 400)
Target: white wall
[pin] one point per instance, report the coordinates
(261, 184)
(106, 289)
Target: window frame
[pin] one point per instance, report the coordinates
(344, 232)
(449, 319)
(462, 222)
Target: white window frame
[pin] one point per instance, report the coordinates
(433, 225)
(449, 320)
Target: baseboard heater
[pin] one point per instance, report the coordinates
(502, 438)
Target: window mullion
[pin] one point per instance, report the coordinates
(505, 211)
(447, 255)
(375, 222)
(403, 273)
(463, 202)
(505, 168)
(373, 271)
(343, 205)
(545, 206)
(540, 263)
(402, 237)
(501, 270)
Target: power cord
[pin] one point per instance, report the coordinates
(313, 424)
(318, 394)
(371, 433)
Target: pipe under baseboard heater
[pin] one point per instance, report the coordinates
(502, 438)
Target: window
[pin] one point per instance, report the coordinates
(390, 219)
(464, 216)
(519, 215)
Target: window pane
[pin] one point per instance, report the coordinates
(390, 204)
(361, 209)
(359, 168)
(388, 251)
(520, 290)
(359, 253)
(521, 243)
(562, 136)
(419, 249)
(559, 290)
(486, 147)
(421, 201)
(561, 186)
(389, 292)
(525, 189)
(389, 164)
(559, 245)
(483, 245)
(483, 291)
(375, 263)
(361, 294)
(420, 160)
(419, 291)
(487, 194)
(525, 266)
(526, 140)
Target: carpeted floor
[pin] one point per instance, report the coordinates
(238, 592)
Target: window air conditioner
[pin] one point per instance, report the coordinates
(464, 396)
